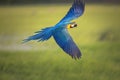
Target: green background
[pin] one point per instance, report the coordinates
(97, 36)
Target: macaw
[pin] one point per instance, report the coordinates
(60, 30)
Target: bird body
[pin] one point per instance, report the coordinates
(60, 30)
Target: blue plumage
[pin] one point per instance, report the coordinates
(75, 11)
(64, 40)
(42, 35)
(60, 33)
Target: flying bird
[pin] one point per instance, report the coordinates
(60, 31)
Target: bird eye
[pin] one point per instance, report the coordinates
(73, 25)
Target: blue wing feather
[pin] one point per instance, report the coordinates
(41, 35)
(75, 11)
(64, 40)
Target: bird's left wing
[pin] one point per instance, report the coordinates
(64, 40)
(75, 11)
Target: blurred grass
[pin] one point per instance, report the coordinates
(99, 62)
(97, 35)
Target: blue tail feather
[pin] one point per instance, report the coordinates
(42, 35)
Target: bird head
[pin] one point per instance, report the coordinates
(71, 25)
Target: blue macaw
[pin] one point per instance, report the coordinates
(60, 30)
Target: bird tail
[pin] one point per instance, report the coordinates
(41, 35)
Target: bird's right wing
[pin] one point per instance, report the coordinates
(74, 12)
(64, 40)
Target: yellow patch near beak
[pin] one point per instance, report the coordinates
(68, 26)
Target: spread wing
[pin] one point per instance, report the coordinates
(64, 40)
(75, 11)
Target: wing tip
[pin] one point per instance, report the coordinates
(76, 56)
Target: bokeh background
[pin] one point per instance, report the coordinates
(97, 36)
